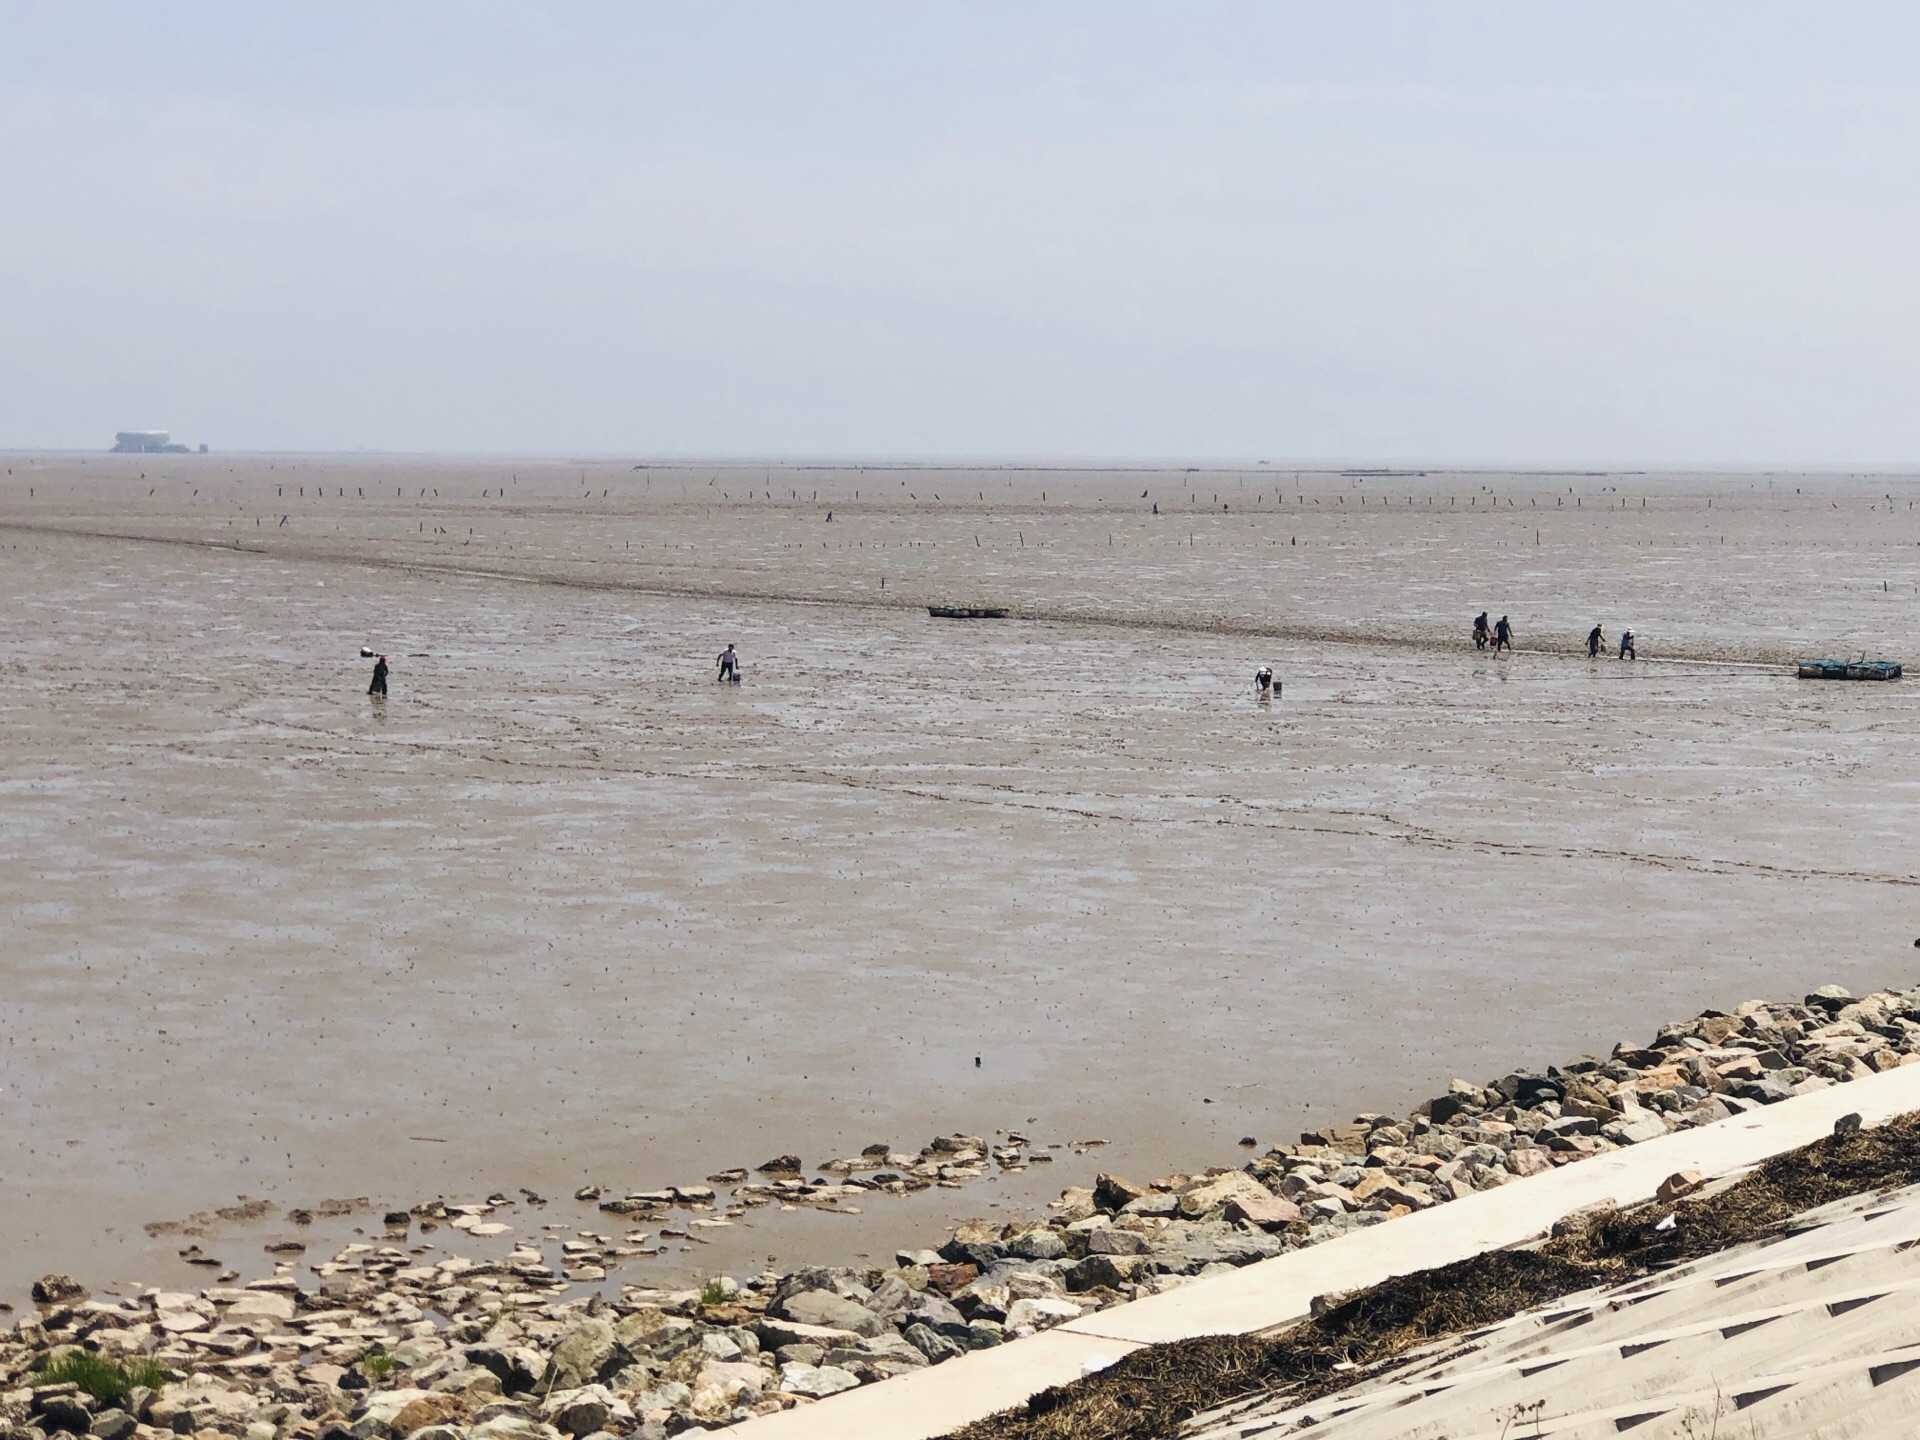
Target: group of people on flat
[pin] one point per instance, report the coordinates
(1596, 642)
(1500, 636)
(728, 661)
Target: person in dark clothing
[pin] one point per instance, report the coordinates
(729, 665)
(1502, 636)
(379, 685)
(1594, 641)
(1480, 631)
(1626, 646)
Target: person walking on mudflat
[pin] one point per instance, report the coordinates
(379, 685)
(1626, 646)
(1480, 631)
(1502, 636)
(1594, 641)
(729, 665)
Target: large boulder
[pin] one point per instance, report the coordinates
(582, 1410)
(1269, 1213)
(1636, 1127)
(816, 1381)
(518, 1368)
(261, 1305)
(513, 1427)
(642, 1330)
(1109, 1271)
(58, 1289)
(1527, 1091)
(376, 1417)
(774, 1333)
(436, 1409)
(1040, 1243)
(937, 1313)
(582, 1354)
(824, 1308)
(64, 1415)
(1075, 1203)
(742, 1380)
(891, 1296)
(1210, 1197)
(1041, 1314)
(932, 1344)
(977, 1253)
(1111, 1192)
(667, 1395)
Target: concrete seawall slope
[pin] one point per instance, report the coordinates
(1276, 1292)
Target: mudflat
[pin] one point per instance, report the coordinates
(562, 910)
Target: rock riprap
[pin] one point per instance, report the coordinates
(379, 1343)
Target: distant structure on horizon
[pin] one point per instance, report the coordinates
(148, 442)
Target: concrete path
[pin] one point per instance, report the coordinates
(1277, 1292)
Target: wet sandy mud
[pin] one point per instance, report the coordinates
(564, 911)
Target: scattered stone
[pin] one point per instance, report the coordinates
(824, 1309)
(777, 1334)
(1269, 1212)
(581, 1356)
(1041, 1314)
(426, 1410)
(816, 1381)
(260, 1305)
(1210, 1197)
(1039, 1243)
(1110, 1192)
(1680, 1183)
(932, 1344)
(533, 1345)
(64, 1415)
(951, 1278)
(58, 1289)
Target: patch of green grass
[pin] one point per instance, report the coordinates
(377, 1364)
(106, 1380)
(713, 1293)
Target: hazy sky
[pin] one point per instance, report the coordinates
(1557, 231)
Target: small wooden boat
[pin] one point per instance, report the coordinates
(967, 612)
(1862, 669)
